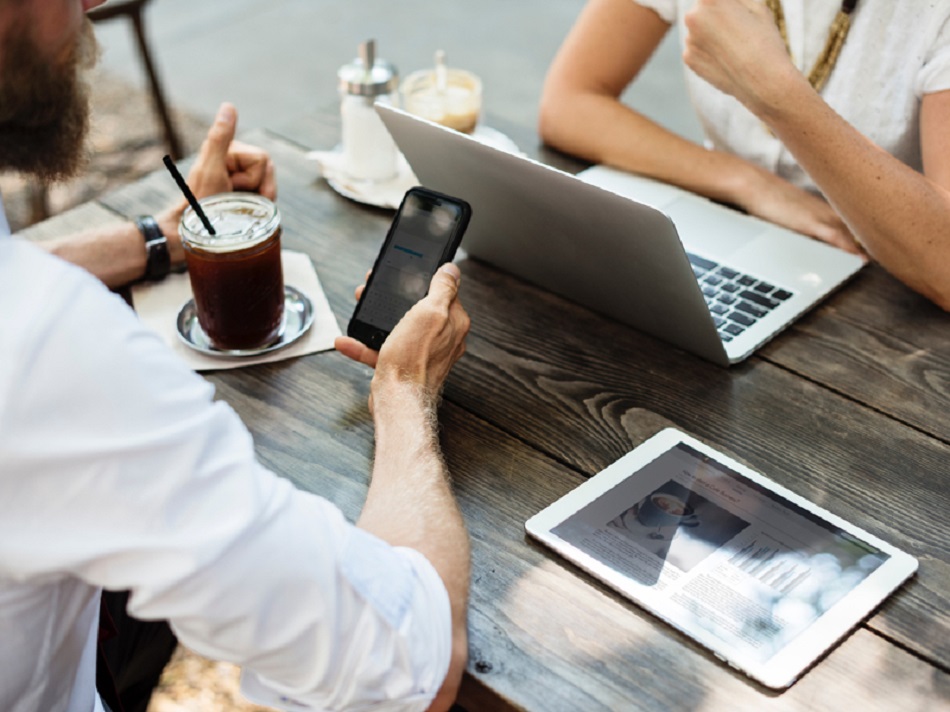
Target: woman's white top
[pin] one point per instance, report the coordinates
(896, 52)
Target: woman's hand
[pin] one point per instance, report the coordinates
(771, 198)
(735, 46)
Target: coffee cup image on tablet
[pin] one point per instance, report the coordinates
(677, 525)
(664, 510)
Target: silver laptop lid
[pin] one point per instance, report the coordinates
(777, 260)
(601, 250)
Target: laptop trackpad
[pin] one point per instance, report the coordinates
(712, 229)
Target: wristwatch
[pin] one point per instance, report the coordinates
(158, 262)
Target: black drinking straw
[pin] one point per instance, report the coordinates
(170, 165)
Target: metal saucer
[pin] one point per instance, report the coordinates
(298, 318)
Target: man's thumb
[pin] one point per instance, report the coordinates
(445, 283)
(222, 131)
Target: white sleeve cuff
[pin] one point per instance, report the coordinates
(934, 76)
(666, 9)
(398, 654)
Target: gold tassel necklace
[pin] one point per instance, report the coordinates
(836, 36)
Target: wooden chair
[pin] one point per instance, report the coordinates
(132, 9)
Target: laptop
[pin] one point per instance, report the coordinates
(696, 274)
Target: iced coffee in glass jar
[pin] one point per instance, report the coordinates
(236, 274)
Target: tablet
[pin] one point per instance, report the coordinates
(760, 576)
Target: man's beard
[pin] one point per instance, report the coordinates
(44, 106)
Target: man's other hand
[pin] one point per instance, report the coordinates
(225, 165)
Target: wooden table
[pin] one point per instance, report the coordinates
(848, 408)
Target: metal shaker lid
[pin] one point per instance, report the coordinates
(367, 75)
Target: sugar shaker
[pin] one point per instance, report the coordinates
(368, 150)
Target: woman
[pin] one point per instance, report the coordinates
(841, 132)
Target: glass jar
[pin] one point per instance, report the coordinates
(453, 99)
(236, 274)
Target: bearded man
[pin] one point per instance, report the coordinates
(119, 471)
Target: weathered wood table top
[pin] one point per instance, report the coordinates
(850, 408)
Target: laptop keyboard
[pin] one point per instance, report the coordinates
(735, 300)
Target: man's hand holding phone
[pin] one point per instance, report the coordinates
(426, 342)
(424, 234)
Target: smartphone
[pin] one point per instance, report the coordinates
(423, 236)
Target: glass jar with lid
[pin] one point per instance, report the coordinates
(235, 271)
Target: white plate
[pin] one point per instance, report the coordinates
(381, 194)
(496, 139)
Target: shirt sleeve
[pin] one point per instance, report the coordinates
(117, 467)
(666, 9)
(934, 75)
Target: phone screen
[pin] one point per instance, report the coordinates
(426, 225)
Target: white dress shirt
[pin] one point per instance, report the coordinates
(118, 470)
(896, 52)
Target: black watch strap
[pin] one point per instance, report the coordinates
(158, 262)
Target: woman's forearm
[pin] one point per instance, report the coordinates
(601, 129)
(581, 112)
(900, 216)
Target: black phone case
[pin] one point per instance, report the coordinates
(371, 335)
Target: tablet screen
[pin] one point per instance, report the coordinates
(719, 553)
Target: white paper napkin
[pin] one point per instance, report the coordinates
(383, 194)
(158, 304)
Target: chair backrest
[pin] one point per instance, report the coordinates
(116, 8)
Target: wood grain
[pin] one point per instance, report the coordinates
(548, 394)
(543, 635)
(74, 220)
(880, 343)
(575, 392)
(875, 341)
